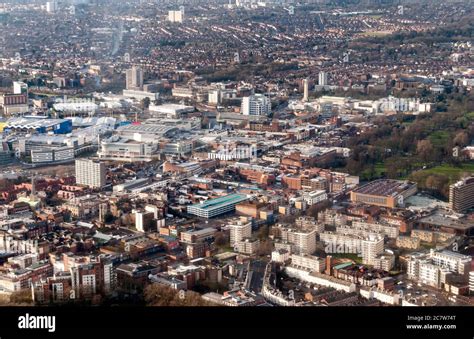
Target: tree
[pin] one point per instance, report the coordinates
(220, 239)
(21, 298)
(145, 103)
(265, 247)
(159, 295)
(316, 208)
(461, 139)
(424, 148)
(262, 233)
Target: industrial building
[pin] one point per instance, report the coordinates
(384, 192)
(38, 125)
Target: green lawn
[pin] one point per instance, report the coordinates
(470, 115)
(352, 256)
(451, 171)
(379, 169)
(439, 138)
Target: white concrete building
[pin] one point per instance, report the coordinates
(240, 231)
(453, 261)
(302, 241)
(134, 78)
(247, 246)
(257, 104)
(323, 79)
(309, 262)
(314, 197)
(176, 16)
(371, 248)
(281, 256)
(471, 282)
(90, 173)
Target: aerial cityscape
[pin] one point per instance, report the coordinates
(237, 153)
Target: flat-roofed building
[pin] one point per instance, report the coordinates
(372, 246)
(309, 262)
(247, 246)
(90, 173)
(239, 231)
(172, 111)
(123, 149)
(461, 195)
(384, 192)
(194, 236)
(214, 207)
(302, 241)
(456, 262)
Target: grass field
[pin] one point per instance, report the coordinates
(379, 169)
(352, 256)
(470, 115)
(439, 138)
(450, 171)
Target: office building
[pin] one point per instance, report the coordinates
(461, 195)
(52, 6)
(90, 173)
(134, 77)
(176, 16)
(257, 104)
(214, 207)
(144, 220)
(6, 158)
(323, 79)
(196, 236)
(19, 87)
(314, 197)
(12, 104)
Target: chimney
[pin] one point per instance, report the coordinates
(329, 265)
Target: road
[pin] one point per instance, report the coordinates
(257, 270)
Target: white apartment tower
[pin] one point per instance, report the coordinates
(52, 6)
(371, 247)
(257, 104)
(323, 79)
(90, 173)
(302, 241)
(240, 231)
